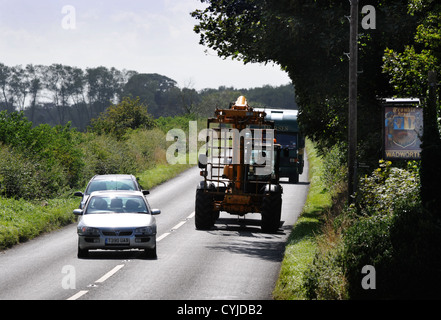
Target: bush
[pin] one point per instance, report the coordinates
(117, 119)
(324, 279)
(15, 129)
(367, 242)
(386, 229)
(415, 238)
(147, 147)
(397, 236)
(20, 177)
(386, 187)
(37, 162)
(335, 169)
(104, 154)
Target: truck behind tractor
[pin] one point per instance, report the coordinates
(291, 140)
(240, 168)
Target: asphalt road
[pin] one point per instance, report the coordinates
(234, 261)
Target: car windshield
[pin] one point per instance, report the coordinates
(118, 204)
(101, 185)
(287, 140)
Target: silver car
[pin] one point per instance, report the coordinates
(124, 182)
(116, 220)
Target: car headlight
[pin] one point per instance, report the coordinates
(88, 231)
(144, 231)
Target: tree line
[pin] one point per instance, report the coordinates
(57, 94)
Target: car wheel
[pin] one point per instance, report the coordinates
(82, 253)
(150, 253)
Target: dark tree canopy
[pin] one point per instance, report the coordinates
(309, 39)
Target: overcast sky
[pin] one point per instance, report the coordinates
(148, 36)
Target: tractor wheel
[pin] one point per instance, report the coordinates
(271, 212)
(204, 213)
(294, 178)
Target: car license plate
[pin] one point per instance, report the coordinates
(117, 240)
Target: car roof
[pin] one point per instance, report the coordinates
(114, 177)
(109, 193)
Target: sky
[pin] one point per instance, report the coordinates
(147, 36)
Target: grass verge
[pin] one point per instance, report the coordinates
(302, 245)
(160, 174)
(22, 220)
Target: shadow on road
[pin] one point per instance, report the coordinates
(244, 236)
(117, 255)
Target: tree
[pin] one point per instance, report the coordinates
(102, 88)
(35, 74)
(157, 91)
(308, 40)
(117, 119)
(66, 84)
(407, 70)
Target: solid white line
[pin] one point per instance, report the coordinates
(78, 295)
(162, 236)
(109, 274)
(191, 215)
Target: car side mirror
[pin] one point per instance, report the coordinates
(78, 212)
(156, 211)
(145, 192)
(78, 194)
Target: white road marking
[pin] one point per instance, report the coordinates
(109, 274)
(162, 236)
(78, 295)
(176, 227)
(180, 224)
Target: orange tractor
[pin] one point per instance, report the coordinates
(240, 168)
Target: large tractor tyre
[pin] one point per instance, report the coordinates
(294, 178)
(204, 213)
(271, 212)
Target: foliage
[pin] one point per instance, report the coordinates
(407, 70)
(154, 90)
(335, 170)
(385, 187)
(22, 220)
(117, 119)
(367, 242)
(388, 229)
(310, 48)
(324, 278)
(37, 162)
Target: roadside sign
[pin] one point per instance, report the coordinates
(403, 129)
